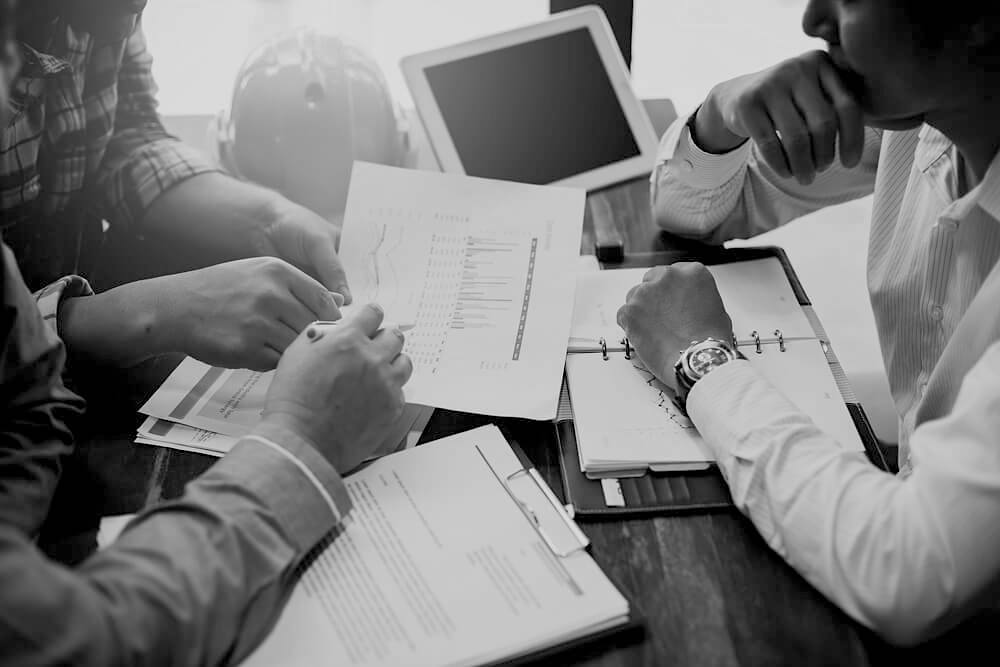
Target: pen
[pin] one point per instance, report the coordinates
(315, 330)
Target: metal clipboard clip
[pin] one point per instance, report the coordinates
(543, 510)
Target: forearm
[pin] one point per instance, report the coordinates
(717, 196)
(215, 212)
(120, 327)
(200, 580)
(907, 558)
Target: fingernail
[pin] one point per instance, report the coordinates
(345, 293)
(377, 308)
(338, 299)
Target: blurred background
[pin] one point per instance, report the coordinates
(678, 49)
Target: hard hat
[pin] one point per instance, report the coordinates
(305, 106)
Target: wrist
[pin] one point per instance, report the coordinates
(699, 359)
(709, 131)
(113, 327)
(283, 424)
(270, 211)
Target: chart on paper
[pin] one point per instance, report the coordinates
(469, 296)
(484, 270)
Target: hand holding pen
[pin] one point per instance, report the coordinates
(339, 386)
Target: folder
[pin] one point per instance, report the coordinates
(695, 484)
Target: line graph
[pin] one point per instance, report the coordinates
(381, 262)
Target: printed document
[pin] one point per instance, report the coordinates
(440, 564)
(205, 409)
(484, 269)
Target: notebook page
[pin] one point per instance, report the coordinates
(438, 565)
(624, 416)
(802, 374)
(756, 294)
(758, 297)
(595, 306)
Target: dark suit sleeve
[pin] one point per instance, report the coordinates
(36, 408)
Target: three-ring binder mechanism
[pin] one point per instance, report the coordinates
(754, 342)
(542, 509)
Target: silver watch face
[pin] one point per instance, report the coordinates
(701, 361)
(702, 357)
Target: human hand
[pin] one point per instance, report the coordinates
(306, 240)
(672, 307)
(342, 391)
(795, 112)
(240, 314)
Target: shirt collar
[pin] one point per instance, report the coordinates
(933, 144)
(38, 65)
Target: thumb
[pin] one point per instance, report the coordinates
(329, 270)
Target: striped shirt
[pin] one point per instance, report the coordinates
(904, 554)
(84, 145)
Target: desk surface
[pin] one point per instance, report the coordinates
(709, 590)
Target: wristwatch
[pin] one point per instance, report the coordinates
(697, 361)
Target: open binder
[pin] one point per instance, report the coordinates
(600, 408)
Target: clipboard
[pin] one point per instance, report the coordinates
(660, 493)
(554, 524)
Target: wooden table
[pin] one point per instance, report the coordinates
(709, 590)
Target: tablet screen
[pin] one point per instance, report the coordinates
(536, 112)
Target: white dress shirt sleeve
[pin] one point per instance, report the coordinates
(736, 194)
(907, 557)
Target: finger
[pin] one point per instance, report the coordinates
(402, 368)
(368, 319)
(821, 121)
(622, 316)
(795, 139)
(265, 360)
(632, 292)
(319, 301)
(291, 313)
(323, 255)
(338, 299)
(278, 335)
(653, 273)
(850, 123)
(388, 343)
(758, 124)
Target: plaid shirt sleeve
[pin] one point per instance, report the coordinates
(142, 160)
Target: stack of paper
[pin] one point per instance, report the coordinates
(205, 409)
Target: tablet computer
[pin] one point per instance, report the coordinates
(548, 103)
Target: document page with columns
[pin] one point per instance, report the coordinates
(485, 270)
